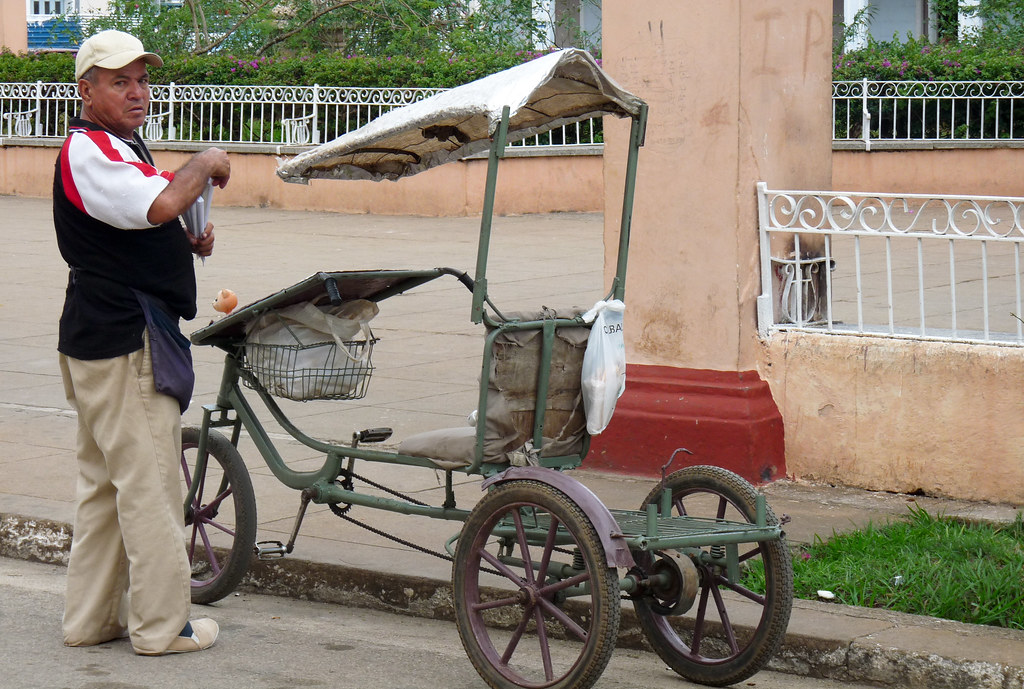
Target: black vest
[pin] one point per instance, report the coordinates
(102, 317)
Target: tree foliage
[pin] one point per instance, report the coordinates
(383, 43)
(1002, 24)
(271, 28)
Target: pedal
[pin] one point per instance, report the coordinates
(270, 550)
(372, 435)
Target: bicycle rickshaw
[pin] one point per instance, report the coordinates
(539, 557)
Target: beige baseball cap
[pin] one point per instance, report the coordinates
(111, 50)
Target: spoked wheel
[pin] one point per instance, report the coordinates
(220, 523)
(535, 601)
(733, 627)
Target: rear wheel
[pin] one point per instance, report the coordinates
(535, 601)
(735, 626)
(220, 523)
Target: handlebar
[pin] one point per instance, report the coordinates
(331, 285)
(461, 276)
(466, 280)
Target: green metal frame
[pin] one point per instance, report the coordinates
(642, 531)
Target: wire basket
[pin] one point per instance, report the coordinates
(319, 371)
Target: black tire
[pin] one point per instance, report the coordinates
(498, 613)
(220, 524)
(700, 649)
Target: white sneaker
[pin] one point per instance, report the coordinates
(204, 634)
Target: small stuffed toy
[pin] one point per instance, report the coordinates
(225, 302)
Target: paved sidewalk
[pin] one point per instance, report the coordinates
(427, 367)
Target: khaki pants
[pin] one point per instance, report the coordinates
(129, 526)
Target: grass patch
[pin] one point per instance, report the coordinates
(923, 565)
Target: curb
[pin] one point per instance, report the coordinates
(868, 658)
(877, 659)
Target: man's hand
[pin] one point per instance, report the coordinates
(222, 171)
(188, 183)
(203, 244)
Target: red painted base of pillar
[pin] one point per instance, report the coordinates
(726, 418)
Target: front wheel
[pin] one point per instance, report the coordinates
(738, 624)
(529, 569)
(220, 522)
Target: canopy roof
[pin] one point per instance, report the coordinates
(559, 88)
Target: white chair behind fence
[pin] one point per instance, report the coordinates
(297, 130)
(154, 129)
(19, 123)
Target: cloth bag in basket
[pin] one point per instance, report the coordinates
(314, 370)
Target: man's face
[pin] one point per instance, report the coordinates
(118, 99)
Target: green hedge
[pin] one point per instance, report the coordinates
(48, 67)
(327, 69)
(918, 60)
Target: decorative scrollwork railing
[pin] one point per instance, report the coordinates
(267, 114)
(968, 111)
(898, 215)
(243, 114)
(911, 265)
(865, 111)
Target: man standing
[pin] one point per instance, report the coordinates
(131, 278)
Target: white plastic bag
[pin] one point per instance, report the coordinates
(604, 364)
(306, 324)
(312, 371)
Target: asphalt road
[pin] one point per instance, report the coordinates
(269, 643)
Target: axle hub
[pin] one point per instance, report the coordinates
(675, 581)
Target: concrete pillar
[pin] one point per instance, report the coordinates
(13, 30)
(738, 92)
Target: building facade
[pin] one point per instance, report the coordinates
(882, 20)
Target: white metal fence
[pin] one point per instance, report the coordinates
(905, 266)
(291, 115)
(973, 111)
(864, 111)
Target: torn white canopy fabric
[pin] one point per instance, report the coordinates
(556, 89)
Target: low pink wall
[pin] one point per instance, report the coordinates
(539, 185)
(969, 171)
(902, 416)
(548, 184)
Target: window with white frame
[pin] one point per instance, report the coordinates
(571, 23)
(885, 19)
(46, 8)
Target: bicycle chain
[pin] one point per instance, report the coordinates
(403, 496)
(341, 511)
(385, 534)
